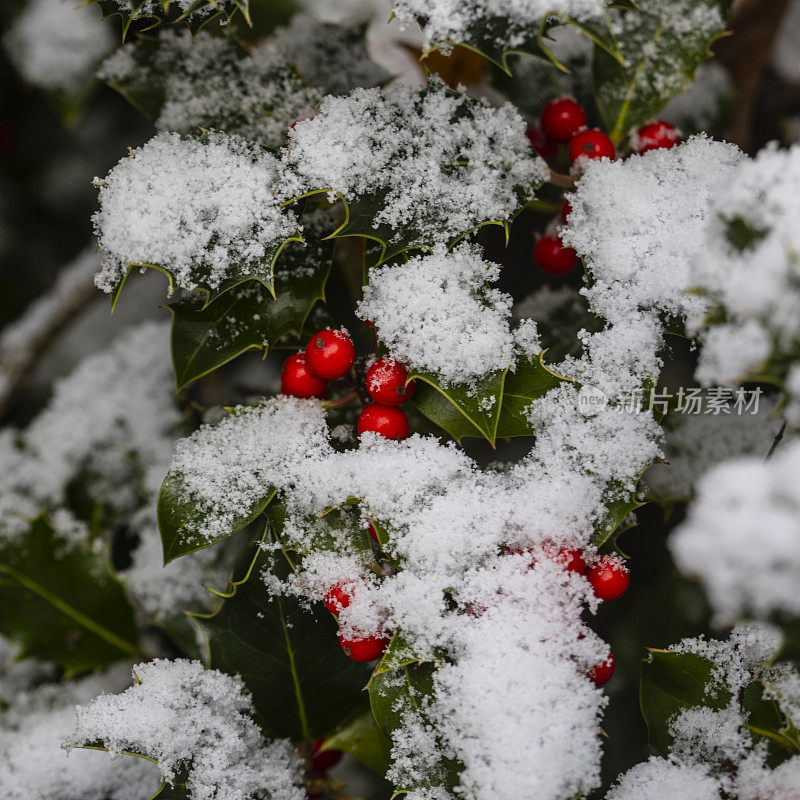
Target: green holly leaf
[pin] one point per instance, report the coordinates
(178, 518)
(671, 682)
(617, 509)
(662, 52)
(461, 410)
(206, 336)
(674, 681)
(490, 36)
(262, 271)
(363, 739)
(197, 16)
(396, 693)
(530, 380)
(59, 601)
(302, 683)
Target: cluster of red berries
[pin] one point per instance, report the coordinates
(609, 579)
(563, 122)
(365, 649)
(330, 355)
(388, 385)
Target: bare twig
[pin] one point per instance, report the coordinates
(23, 340)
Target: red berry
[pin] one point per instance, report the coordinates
(373, 533)
(367, 649)
(609, 577)
(386, 382)
(571, 559)
(338, 598)
(388, 421)
(566, 210)
(297, 380)
(562, 118)
(591, 144)
(552, 256)
(656, 135)
(600, 674)
(324, 760)
(330, 354)
(545, 147)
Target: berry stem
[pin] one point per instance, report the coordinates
(559, 179)
(341, 402)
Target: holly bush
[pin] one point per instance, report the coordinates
(465, 298)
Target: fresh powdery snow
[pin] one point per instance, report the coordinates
(437, 314)
(214, 83)
(446, 21)
(752, 231)
(56, 45)
(741, 536)
(435, 164)
(196, 724)
(203, 209)
(33, 762)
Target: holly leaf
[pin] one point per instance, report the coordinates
(460, 409)
(530, 380)
(178, 517)
(621, 504)
(302, 683)
(396, 693)
(262, 271)
(674, 681)
(662, 51)
(490, 37)
(206, 336)
(59, 601)
(196, 16)
(363, 739)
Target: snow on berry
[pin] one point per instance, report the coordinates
(589, 145)
(741, 536)
(388, 421)
(386, 382)
(437, 163)
(204, 209)
(212, 82)
(193, 722)
(57, 46)
(436, 313)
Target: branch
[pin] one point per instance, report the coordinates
(22, 341)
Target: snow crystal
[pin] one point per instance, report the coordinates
(33, 764)
(204, 209)
(457, 20)
(437, 314)
(196, 725)
(57, 46)
(213, 83)
(741, 536)
(436, 164)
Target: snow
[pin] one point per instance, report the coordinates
(741, 536)
(436, 314)
(436, 164)
(204, 209)
(213, 83)
(754, 281)
(56, 46)
(196, 725)
(33, 764)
